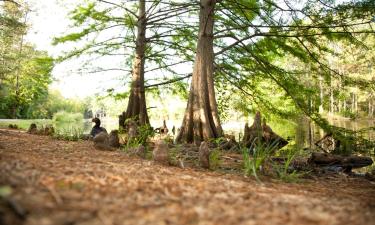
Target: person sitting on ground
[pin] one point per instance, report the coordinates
(97, 128)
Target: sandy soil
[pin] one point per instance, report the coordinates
(58, 182)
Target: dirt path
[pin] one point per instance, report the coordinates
(61, 183)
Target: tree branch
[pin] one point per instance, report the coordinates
(169, 81)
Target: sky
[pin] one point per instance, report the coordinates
(49, 19)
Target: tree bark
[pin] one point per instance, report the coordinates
(355, 103)
(302, 135)
(321, 95)
(331, 101)
(136, 109)
(371, 106)
(201, 120)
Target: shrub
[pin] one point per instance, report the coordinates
(66, 117)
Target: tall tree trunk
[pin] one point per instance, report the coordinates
(321, 110)
(371, 105)
(16, 104)
(339, 105)
(201, 120)
(331, 101)
(311, 134)
(137, 100)
(300, 136)
(356, 103)
(353, 102)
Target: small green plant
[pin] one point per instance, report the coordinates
(143, 133)
(217, 141)
(174, 154)
(69, 134)
(133, 142)
(249, 164)
(283, 170)
(292, 177)
(168, 139)
(215, 159)
(260, 152)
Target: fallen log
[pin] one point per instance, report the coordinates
(346, 162)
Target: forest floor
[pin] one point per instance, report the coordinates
(60, 183)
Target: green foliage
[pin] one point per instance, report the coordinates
(66, 117)
(69, 133)
(275, 67)
(12, 29)
(25, 73)
(215, 160)
(51, 103)
(174, 155)
(27, 86)
(290, 177)
(255, 159)
(56, 102)
(101, 29)
(249, 164)
(133, 142)
(144, 132)
(68, 126)
(284, 171)
(5, 191)
(82, 12)
(348, 114)
(274, 64)
(217, 141)
(74, 36)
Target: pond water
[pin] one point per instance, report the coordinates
(301, 133)
(307, 133)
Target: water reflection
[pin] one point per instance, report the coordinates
(307, 132)
(302, 133)
(86, 125)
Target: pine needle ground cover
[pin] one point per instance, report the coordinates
(59, 182)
